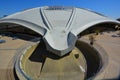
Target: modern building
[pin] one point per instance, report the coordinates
(59, 26)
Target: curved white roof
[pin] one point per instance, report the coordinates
(59, 26)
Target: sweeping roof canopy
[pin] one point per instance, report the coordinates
(58, 25)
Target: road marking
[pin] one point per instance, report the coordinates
(83, 70)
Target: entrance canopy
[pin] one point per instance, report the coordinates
(58, 25)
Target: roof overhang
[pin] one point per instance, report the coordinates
(59, 26)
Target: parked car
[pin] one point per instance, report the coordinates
(2, 41)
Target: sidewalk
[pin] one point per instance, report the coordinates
(112, 47)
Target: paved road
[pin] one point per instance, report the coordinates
(44, 66)
(9, 52)
(112, 46)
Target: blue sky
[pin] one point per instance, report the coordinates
(110, 8)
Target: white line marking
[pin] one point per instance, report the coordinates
(82, 68)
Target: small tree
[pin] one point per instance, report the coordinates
(5, 15)
(97, 32)
(92, 39)
(118, 29)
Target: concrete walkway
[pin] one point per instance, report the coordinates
(8, 54)
(112, 47)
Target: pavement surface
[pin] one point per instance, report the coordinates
(45, 66)
(8, 53)
(66, 68)
(112, 47)
(37, 67)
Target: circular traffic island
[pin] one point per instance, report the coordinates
(39, 64)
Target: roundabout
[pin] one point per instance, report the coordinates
(36, 63)
(51, 67)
